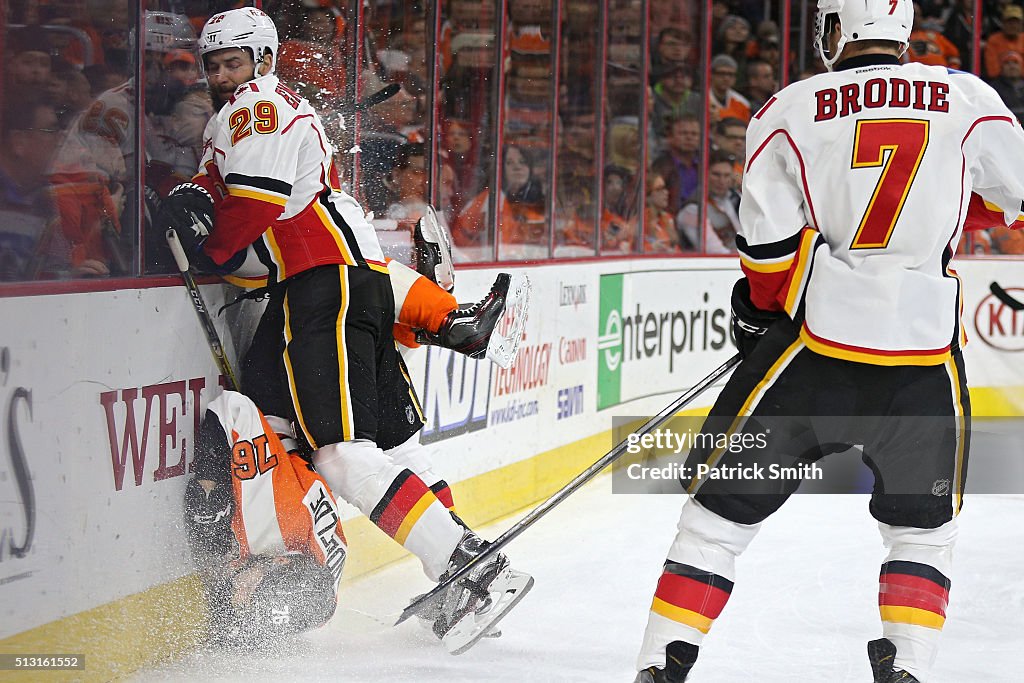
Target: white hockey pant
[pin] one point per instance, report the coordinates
(385, 487)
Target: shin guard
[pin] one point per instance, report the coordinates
(696, 581)
(913, 591)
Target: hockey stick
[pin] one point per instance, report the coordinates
(557, 497)
(1005, 297)
(385, 93)
(212, 338)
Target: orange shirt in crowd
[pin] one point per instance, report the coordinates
(520, 223)
(1007, 241)
(933, 48)
(319, 65)
(616, 232)
(997, 45)
(735, 106)
(660, 234)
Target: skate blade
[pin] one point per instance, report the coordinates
(428, 625)
(506, 592)
(503, 345)
(436, 232)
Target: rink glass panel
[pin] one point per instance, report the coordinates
(69, 205)
(576, 162)
(83, 179)
(527, 111)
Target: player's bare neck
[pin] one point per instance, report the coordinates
(873, 47)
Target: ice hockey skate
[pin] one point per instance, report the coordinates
(432, 245)
(882, 653)
(471, 330)
(679, 659)
(431, 611)
(471, 608)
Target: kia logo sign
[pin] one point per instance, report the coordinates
(998, 325)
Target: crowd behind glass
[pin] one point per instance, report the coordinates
(538, 128)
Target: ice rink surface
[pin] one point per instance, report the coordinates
(803, 608)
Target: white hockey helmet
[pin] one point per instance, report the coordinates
(862, 20)
(166, 31)
(247, 27)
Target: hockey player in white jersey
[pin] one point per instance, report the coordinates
(858, 185)
(323, 354)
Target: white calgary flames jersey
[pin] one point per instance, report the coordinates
(281, 504)
(100, 144)
(267, 152)
(856, 191)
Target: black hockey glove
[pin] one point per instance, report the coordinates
(188, 210)
(208, 515)
(749, 323)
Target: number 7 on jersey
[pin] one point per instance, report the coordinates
(905, 140)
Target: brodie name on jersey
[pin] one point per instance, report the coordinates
(851, 98)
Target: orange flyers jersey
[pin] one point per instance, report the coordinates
(857, 188)
(268, 154)
(281, 504)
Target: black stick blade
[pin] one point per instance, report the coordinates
(1005, 297)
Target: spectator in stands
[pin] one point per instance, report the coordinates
(27, 61)
(679, 165)
(465, 18)
(574, 212)
(928, 45)
(624, 143)
(762, 83)
(724, 101)
(69, 90)
(181, 66)
(115, 37)
(386, 128)
(767, 31)
(719, 11)
(527, 96)
(617, 231)
(407, 183)
(472, 72)
(674, 46)
(959, 29)
(660, 234)
(530, 32)
(732, 39)
(731, 137)
(520, 206)
(1010, 84)
(413, 42)
(313, 63)
(1006, 241)
(28, 235)
(674, 95)
(769, 49)
(681, 14)
(1002, 41)
(721, 220)
(80, 45)
(461, 154)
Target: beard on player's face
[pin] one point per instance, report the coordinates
(226, 70)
